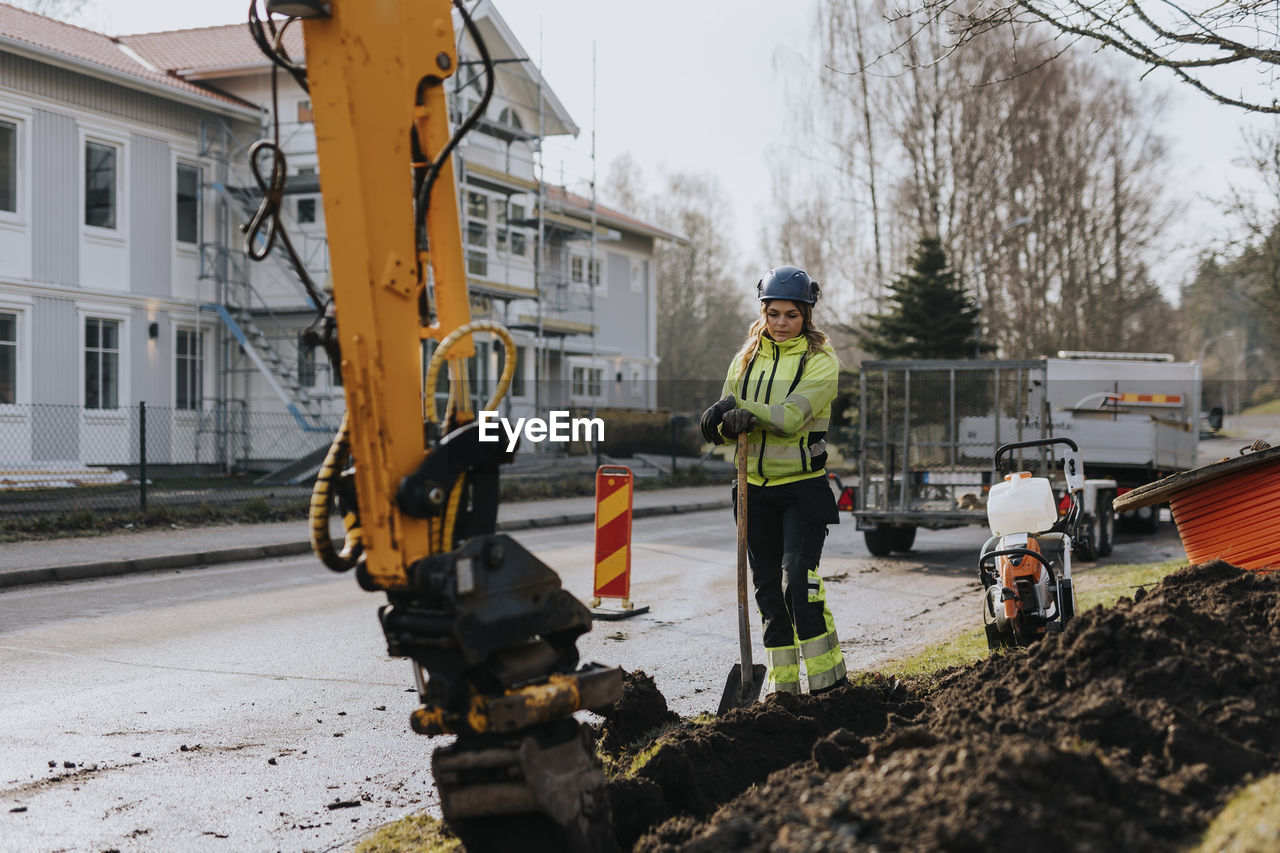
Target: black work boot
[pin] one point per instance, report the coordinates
(843, 682)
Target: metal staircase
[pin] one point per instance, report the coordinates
(244, 313)
(306, 410)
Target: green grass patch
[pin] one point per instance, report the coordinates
(1249, 823)
(1105, 585)
(643, 757)
(636, 755)
(52, 513)
(1101, 586)
(418, 832)
(1271, 407)
(84, 522)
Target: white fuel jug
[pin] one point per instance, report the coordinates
(1021, 504)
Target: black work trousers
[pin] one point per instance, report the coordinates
(786, 528)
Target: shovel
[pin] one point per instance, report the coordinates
(745, 679)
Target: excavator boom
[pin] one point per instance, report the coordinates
(488, 627)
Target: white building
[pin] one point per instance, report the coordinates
(124, 180)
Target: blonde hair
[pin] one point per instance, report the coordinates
(816, 337)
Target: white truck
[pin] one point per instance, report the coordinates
(928, 431)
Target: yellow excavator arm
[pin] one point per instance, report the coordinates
(491, 632)
(376, 73)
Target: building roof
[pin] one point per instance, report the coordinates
(210, 52)
(95, 54)
(580, 208)
(528, 88)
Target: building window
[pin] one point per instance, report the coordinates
(478, 206)
(500, 241)
(189, 364)
(517, 213)
(187, 199)
(101, 363)
(595, 272)
(306, 363)
(478, 245)
(100, 185)
(8, 166)
(586, 381)
(306, 210)
(518, 244)
(576, 265)
(8, 358)
(304, 112)
(510, 118)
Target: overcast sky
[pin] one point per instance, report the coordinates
(692, 85)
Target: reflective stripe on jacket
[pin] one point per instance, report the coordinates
(790, 394)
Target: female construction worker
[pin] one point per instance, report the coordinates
(779, 391)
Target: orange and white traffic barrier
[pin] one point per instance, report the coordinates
(614, 487)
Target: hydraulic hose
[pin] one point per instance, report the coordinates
(438, 359)
(321, 499)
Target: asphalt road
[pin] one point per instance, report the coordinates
(252, 706)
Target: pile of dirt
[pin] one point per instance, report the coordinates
(1129, 731)
(641, 710)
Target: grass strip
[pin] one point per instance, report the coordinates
(1249, 823)
(419, 833)
(1100, 586)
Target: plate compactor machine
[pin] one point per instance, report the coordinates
(1025, 567)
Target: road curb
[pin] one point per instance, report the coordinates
(188, 560)
(200, 559)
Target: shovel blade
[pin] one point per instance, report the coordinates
(739, 693)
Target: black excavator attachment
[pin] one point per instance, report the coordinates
(493, 636)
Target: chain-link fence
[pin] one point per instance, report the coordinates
(64, 459)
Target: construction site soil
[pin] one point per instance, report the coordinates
(1129, 731)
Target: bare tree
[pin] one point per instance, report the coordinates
(1238, 284)
(60, 9)
(1041, 178)
(702, 297)
(1191, 42)
(1077, 160)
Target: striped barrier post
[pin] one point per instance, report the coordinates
(614, 487)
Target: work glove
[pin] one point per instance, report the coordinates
(739, 420)
(710, 422)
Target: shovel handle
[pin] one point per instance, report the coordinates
(744, 624)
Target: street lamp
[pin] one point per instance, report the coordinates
(1204, 348)
(987, 246)
(1235, 373)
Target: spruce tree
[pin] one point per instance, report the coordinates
(929, 315)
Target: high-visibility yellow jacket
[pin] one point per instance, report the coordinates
(790, 392)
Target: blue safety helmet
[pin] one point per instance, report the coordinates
(790, 283)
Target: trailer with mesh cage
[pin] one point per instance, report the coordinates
(928, 431)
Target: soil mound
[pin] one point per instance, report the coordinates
(640, 711)
(1129, 731)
